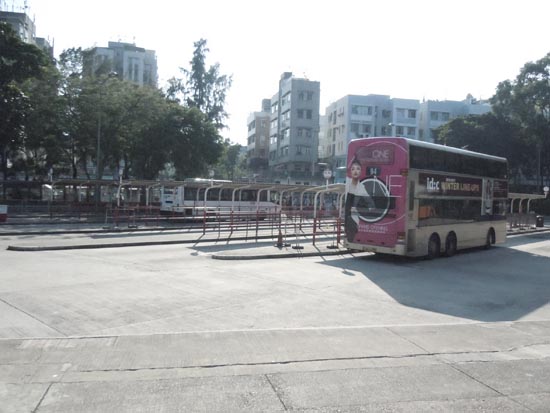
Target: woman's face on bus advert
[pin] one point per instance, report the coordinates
(355, 170)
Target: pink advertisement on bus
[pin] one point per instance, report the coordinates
(376, 191)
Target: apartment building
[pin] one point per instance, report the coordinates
(355, 116)
(21, 24)
(25, 28)
(294, 131)
(435, 113)
(130, 62)
(258, 139)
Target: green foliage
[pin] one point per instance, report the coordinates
(202, 88)
(18, 62)
(42, 127)
(197, 144)
(229, 165)
(486, 134)
(525, 103)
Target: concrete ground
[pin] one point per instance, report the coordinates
(167, 328)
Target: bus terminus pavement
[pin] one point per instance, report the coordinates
(414, 198)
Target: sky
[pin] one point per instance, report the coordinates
(413, 49)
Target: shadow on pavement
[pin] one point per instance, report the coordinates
(500, 284)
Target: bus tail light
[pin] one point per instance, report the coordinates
(401, 237)
(404, 172)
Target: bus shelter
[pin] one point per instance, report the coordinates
(520, 214)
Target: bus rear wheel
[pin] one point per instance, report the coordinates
(450, 245)
(433, 247)
(490, 239)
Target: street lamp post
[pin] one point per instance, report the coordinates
(327, 174)
(211, 174)
(98, 148)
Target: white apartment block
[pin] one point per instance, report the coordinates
(356, 116)
(258, 139)
(131, 63)
(294, 130)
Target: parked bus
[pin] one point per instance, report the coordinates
(199, 196)
(414, 198)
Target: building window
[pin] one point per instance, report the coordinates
(304, 95)
(412, 131)
(285, 100)
(286, 115)
(412, 114)
(434, 115)
(399, 130)
(445, 116)
(309, 114)
(361, 110)
(400, 113)
(300, 113)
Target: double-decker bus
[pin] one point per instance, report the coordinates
(414, 198)
(196, 197)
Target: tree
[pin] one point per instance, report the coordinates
(228, 163)
(39, 148)
(489, 134)
(525, 102)
(196, 145)
(155, 128)
(18, 61)
(202, 88)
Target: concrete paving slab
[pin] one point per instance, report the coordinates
(540, 329)
(15, 398)
(212, 394)
(208, 350)
(486, 405)
(467, 337)
(515, 377)
(347, 388)
(17, 323)
(538, 402)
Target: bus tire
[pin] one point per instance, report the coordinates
(434, 246)
(490, 238)
(450, 245)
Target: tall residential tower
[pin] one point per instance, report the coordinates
(294, 130)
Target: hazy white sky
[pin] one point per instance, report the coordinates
(438, 49)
